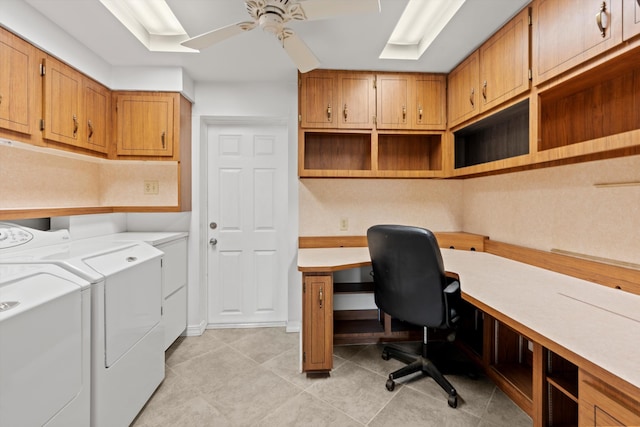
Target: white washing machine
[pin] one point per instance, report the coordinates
(127, 340)
(45, 344)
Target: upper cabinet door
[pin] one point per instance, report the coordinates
(62, 98)
(463, 90)
(569, 32)
(428, 109)
(504, 63)
(95, 119)
(392, 96)
(357, 100)
(18, 80)
(631, 16)
(145, 124)
(319, 100)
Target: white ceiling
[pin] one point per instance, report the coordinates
(348, 43)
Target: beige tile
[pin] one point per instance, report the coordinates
(354, 390)
(306, 410)
(250, 395)
(502, 412)
(287, 366)
(266, 344)
(176, 404)
(185, 348)
(412, 408)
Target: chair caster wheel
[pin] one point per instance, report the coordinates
(453, 401)
(385, 355)
(390, 385)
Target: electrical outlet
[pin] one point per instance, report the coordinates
(151, 187)
(344, 224)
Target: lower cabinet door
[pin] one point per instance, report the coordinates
(317, 323)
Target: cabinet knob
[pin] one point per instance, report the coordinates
(404, 113)
(75, 125)
(471, 96)
(163, 137)
(320, 297)
(345, 112)
(329, 112)
(484, 91)
(420, 112)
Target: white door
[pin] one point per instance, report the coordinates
(247, 213)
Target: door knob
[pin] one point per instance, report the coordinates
(213, 241)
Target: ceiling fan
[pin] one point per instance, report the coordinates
(272, 15)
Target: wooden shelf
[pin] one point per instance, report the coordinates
(500, 136)
(337, 151)
(517, 374)
(409, 152)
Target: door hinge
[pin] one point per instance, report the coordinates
(161, 311)
(299, 118)
(41, 124)
(374, 83)
(304, 356)
(161, 262)
(43, 69)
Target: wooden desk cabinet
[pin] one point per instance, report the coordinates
(317, 321)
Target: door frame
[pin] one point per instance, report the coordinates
(203, 194)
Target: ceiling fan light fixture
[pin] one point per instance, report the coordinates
(418, 27)
(151, 22)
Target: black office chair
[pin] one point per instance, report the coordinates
(410, 285)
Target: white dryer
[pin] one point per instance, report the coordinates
(127, 341)
(45, 341)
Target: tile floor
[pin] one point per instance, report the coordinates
(250, 377)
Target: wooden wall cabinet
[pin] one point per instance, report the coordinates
(19, 66)
(462, 92)
(631, 19)
(492, 75)
(410, 101)
(568, 32)
(146, 124)
(343, 100)
(76, 108)
(504, 63)
(401, 136)
(317, 319)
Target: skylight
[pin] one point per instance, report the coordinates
(419, 25)
(152, 22)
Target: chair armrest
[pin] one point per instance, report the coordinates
(452, 288)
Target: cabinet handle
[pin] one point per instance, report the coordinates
(345, 112)
(164, 144)
(404, 113)
(471, 96)
(601, 19)
(90, 125)
(75, 126)
(1, 95)
(329, 112)
(320, 297)
(484, 91)
(420, 112)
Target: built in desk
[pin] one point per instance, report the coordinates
(566, 350)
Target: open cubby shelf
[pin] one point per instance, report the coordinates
(409, 152)
(585, 110)
(337, 151)
(502, 135)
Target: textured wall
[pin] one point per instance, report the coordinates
(430, 203)
(561, 208)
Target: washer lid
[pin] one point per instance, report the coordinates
(121, 259)
(24, 287)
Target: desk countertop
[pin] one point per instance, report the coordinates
(600, 324)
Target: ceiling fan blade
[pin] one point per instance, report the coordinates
(322, 9)
(299, 53)
(212, 37)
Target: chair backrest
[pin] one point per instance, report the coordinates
(408, 274)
